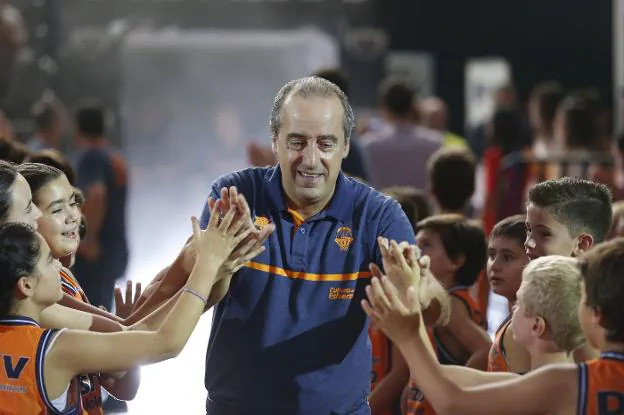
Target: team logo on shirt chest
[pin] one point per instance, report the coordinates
(344, 238)
(261, 222)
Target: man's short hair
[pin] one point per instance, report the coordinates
(311, 86)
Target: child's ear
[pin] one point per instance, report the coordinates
(458, 262)
(539, 327)
(583, 244)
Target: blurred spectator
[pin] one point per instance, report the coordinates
(504, 97)
(433, 113)
(543, 102)
(102, 176)
(397, 154)
(48, 122)
(6, 129)
(13, 37)
(13, 151)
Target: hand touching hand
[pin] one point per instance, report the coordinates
(124, 308)
(221, 237)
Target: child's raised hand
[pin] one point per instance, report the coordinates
(399, 320)
(221, 237)
(401, 264)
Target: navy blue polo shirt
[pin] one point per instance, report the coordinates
(291, 336)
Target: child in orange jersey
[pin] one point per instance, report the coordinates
(457, 251)
(589, 388)
(456, 248)
(506, 260)
(59, 225)
(389, 371)
(41, 367)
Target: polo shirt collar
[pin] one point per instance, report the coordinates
(340, 206)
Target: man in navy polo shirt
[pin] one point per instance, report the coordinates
(290, 336)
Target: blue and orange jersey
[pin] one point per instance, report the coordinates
(293, 314)
(601, 385)
(23, 346)
(463, 293)
(91, 390)
(497, 358)
(71, 287)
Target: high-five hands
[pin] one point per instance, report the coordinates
(247, 249)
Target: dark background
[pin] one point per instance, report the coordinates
(566, 40)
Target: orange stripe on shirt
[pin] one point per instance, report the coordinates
(306, 275)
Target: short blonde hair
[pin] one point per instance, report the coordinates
(551, 289)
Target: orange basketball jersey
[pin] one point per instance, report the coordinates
(463, 293)
(71, 287)
(23, 346)
(382, 357)
(91, 390)
(497, 359)
(414, 400)
(601, 385)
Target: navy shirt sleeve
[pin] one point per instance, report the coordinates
(94, 168)
(393, 224)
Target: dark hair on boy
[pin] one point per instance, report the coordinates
(512, 227)
(602, 268)
(451, 172)
(414, 202)
(581, 205)
(461, 238)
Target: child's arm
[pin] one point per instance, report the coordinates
(71, 302)
(472, 337)
(392, 385)
(547, 390)
(57, 316)
(466, 377)
(544, 391)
